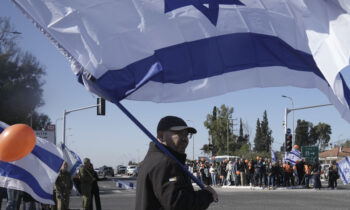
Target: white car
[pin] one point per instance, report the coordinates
(132, 170)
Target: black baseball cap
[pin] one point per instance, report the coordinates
(172, 123)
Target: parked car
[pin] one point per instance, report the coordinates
(132, 170)
(106, 171)
(121, 169)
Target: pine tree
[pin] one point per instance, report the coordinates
(242, 138)
(266, 133)
(257, 140)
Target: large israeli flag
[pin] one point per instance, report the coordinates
(36, 173)
(344, 170)
(178, 50)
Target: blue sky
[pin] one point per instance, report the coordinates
(113, 139)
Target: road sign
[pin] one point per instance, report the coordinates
(47, 135)
(309, 153)
(289, 130)
(50, 127)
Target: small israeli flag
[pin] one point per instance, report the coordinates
(273, 156)
(344, 170)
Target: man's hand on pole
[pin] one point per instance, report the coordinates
(213, 192)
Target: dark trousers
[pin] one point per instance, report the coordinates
(2, 194)
(95, 193)
(307, 180)
(317, 181)
(286, 179)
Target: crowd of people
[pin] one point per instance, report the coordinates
(85, 182)
(262, 172)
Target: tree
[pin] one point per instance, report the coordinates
(20, 82)
(263, 135)
(324, 130)
(307, 135)
(346, 144)
(242, 139)
(266, 133)
(205, 149)
(302, 133)
(8, 36)
(219, 128)
(257, 140)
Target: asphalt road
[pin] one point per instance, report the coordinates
(240, 198)
(113, 198)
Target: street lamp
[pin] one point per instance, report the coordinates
(284, 96)
(192, 139)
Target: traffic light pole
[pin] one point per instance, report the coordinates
(65, 112)
(287, 111)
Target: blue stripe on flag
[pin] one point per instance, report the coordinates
(50, 159)
(342, 174)
(295, 154)
(347, 160)
(292, 161)
(13, 171)
(345, 89)
(1, 129)
(206, 58)
(74, 168)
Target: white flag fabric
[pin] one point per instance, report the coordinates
(36, 173)
(293, 156)
(273, 157)
(344, 170)
(178, 50)
(72, 159)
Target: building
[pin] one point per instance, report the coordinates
(337, 153)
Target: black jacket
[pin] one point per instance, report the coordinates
(162, 184)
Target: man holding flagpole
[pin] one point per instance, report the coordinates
(162, 183)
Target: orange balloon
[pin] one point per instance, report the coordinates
(16, 142)
(246, 161)
(238, 172)
(296, 147)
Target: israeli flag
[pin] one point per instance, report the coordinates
(36, 173)
(179, 50)
(293, 156)
(273, 157)
(344, 170)
(125, 185)
(73, 160)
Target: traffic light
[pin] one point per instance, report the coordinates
(289, 142)
(101, 106)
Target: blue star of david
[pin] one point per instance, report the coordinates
(211, 13)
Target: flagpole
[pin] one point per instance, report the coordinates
(154, 139)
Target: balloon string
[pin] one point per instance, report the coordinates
(160, 146)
